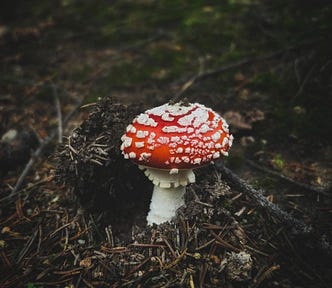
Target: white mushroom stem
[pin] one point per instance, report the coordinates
(168, 192)
(164, 203)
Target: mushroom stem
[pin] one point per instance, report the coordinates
(168, 191)
(164, 203)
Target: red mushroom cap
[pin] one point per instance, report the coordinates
(176, 136)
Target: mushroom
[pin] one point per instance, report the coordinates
(168, 142)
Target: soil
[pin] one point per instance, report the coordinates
(77, 219)
(114, 191)
(91, 230)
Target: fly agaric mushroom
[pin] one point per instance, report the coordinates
(168, 142)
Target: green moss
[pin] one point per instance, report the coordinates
(278, 161)
(266, 81)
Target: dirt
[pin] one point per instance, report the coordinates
(91, 161)
(90, 227)
(207, 234)
(113, 190)
(78, 218)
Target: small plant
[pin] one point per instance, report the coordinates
(278, 162)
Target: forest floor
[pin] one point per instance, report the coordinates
(58, 64)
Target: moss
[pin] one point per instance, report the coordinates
(266, 81)
(128, 73)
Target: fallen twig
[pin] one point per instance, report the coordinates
(316, 189)
(27, 245)
(260, 277)
(246, 61)
(223, 243)
(303, 84)
(16, 190)
(203, 75)
(58, 111)
(297, 226)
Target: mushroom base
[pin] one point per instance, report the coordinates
(164, 203)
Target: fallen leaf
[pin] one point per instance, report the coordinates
(236, 120)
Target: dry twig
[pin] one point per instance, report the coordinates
(297, 226)
(244, 62)
(203, 75)
(316, 189)
(58, 111)
(16, 190)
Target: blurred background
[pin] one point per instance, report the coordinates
(150, 51)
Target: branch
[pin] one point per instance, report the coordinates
(201, 76)
(303, 84)
(15, 192)
(297, 227)
(316, 189)
(246, 61)
(257, 196)
(58, 111)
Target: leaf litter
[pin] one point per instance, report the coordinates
(219, 238)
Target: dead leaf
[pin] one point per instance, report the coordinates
(86, 262)
(236, 120)
(255, 115)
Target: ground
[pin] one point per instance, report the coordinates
(265, 67)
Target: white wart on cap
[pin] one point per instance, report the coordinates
(176, 136)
